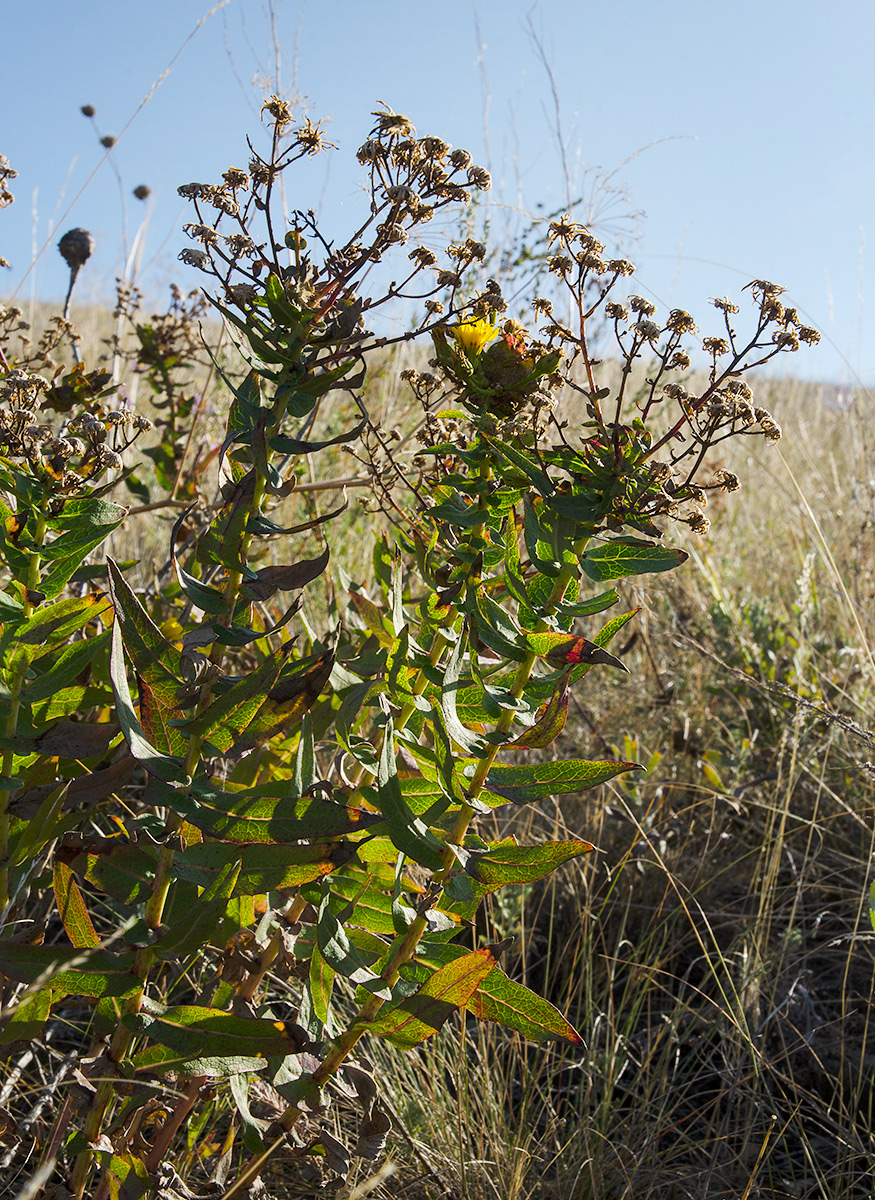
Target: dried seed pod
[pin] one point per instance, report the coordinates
(76, 247)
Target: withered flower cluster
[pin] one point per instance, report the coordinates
(410, 179)
(69, 457)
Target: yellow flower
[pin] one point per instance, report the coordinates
(472, 336)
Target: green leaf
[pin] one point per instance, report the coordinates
(155, 658)
(549, 720)
(50, 627)
(421, 1015)
(615, 560)
(507, 863)
(163, 766)
(342, 956)
(28, 1018)
(228, 716)
(71, 971)
(195, 931)
(197, 1033)
(64, 668)
(408, 832)
(267, 813)
(206, 598)
(538, 781)
(263, 868)
(507, 1002)
(287, 445)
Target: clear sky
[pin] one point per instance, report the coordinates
(741, 131)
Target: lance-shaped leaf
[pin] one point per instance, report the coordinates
(421, 1015)
(155, 658)
(342, 956)
(470, 742)
(84, 524)
(196, 1032)
(507, 863)
(270, 812)
(195, 931)
(562, 649)
(165, 767)
(64, 668)
(263, 868)
(549, 720)
(49, 627)
(71, 909)
(297, 689)
(204, 597)
(231, 714)
(537, 781)
(27, 1019)
(408, 832)
(288, 445)
(71, 971)
(508, 1003)
(321, 982)
(285, 579)
(615, 560)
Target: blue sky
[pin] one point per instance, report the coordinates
(741, 133)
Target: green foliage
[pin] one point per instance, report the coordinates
(220, 802)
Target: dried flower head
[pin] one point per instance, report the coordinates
(108, 141)
(638, 304)
(142, 191)
(88, 110)
(311, 139)
(479, 177)
(236, 177)
(393, 124)
(680, 321)
(279, 109)
(715, 346)
(76, 247)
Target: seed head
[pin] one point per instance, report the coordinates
(76, 247)
(88, 110)
(142, 191)
(108, 142)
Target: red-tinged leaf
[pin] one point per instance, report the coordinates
(538, 781)
(155, 658)
(615, 560)
(549, 720)
(562, 649)
(155, 718)
(127, 1177)
(421, 1015)
(506, 1002)
(507, 863)
(515, 1006)
(165, 767)
(71, 909)
(230, 714)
